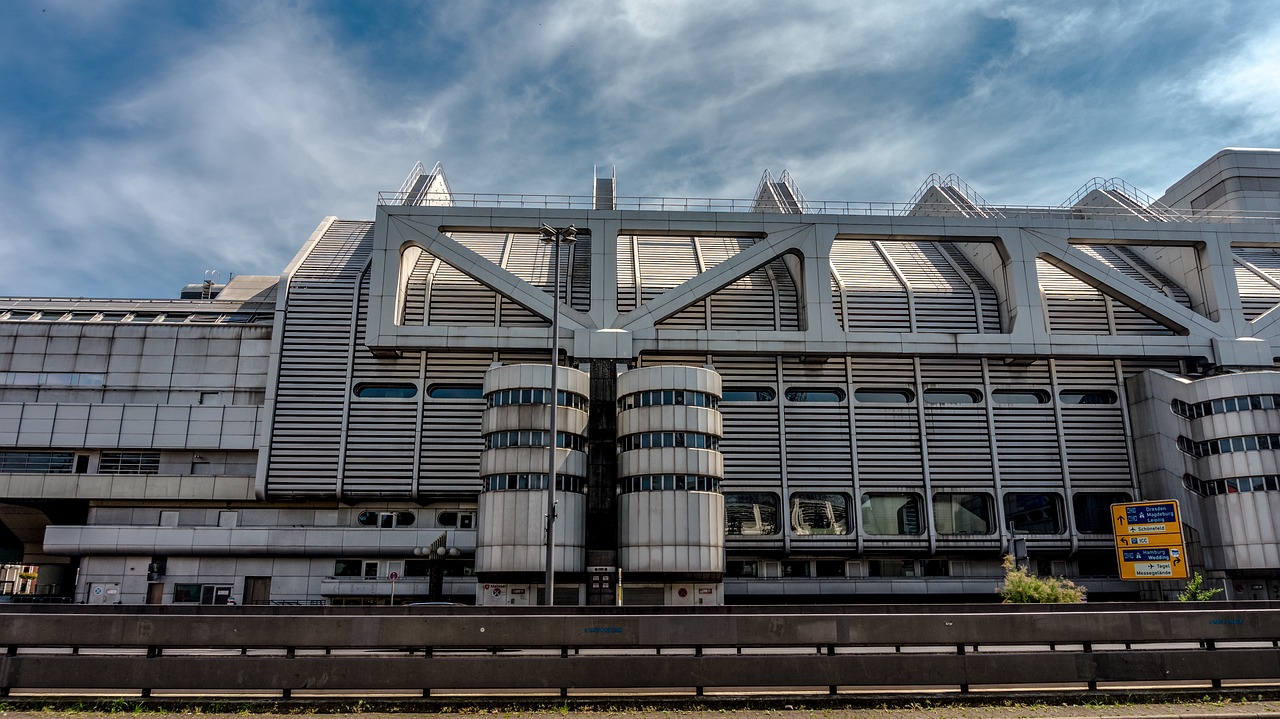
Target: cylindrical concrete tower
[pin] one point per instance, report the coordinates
(671, 512)
(511, 537)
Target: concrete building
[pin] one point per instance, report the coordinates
(765, 400)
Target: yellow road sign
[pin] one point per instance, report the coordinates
(1149, 540)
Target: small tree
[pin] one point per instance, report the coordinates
(1022, 588)
(1195, 591)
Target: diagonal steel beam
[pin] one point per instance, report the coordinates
(477, 267)
(1059, 252)
(703, 285)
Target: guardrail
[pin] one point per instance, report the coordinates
(826, 650)
(813, 207)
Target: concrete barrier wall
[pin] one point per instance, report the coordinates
(363, 650)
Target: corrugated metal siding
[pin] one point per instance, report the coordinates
(451, 441)
(1257, 293)
(874, 298)
(316, 352)
(381, 433)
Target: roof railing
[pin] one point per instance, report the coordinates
(954, 182)
(1118, 185)
(820, 207)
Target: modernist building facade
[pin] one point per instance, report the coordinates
(772, 400)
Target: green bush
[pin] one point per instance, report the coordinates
(1195, 590)
(1022, 588)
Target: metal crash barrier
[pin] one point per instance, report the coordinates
(292, 650)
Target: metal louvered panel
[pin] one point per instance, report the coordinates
(788, 295)
(889, 449)
(1072, 306)
(667, 262)
(530, 259)
(381, 433)
(944, 302)
(316, 347)
(1026, 434)
(817, 433)
(1095, 434)
(1258, 289)
(416, 288)
(459, 301)
(1127, 320)
(959, 447)
(1167, 285)
(627, 284)
(451, 440)
(987, 297)
(579, 276)
(751, 445)
(874, 299)
(747, 304)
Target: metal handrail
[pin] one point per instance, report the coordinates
(817, 207)
(1116, 184)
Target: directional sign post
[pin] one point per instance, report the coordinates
(1149, 540)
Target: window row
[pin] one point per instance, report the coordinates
(905, 395)
(506, 397)
(533, 438)
(1243, 403)
(1210, 447)
(688, 440)
(1233, 485)
(110, 462)
(826, 394)
(902, 513)
(52, 379)
(659, 482)
(505, 482)
(37, 462)
(657, 397)
(129, 463)
(413, 568)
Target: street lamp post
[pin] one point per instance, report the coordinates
(555, 236)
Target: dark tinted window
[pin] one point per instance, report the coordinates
(1093, 510)
(748, 394)
(397, 390)
(952, 396)
(455, 391)
(814, 394)
(884, 394)
(1034, 513)
(1092, 396)
(1020, 396)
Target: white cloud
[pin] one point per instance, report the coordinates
(255, 129)
(1247, 83)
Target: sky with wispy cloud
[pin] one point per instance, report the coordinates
(142, 143)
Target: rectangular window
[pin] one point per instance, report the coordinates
(751, 514)
(935, 568)
(1093, 510)
(346, 568)
(186, 593)
(129, 463)
(956, 514)
(891, 514)
(37, 462)
(891, 568)
(795, 568)
(819, 514)
(829, 568)
(742, 568)
(1034, 513)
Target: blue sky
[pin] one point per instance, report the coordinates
(142, 143)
